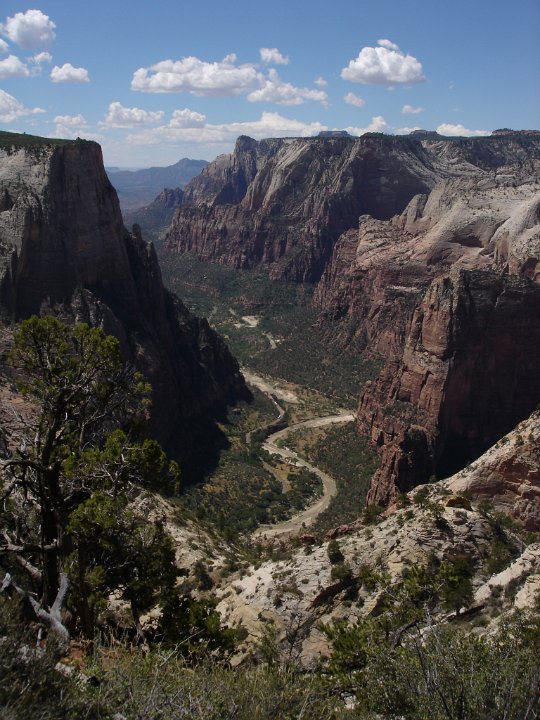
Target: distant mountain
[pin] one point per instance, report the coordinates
(136, 188)
(154, 219)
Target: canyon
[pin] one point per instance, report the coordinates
(423, 249)
(438, 285)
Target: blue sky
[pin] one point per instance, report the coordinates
(157, 81)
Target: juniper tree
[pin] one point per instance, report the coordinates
(66, 486)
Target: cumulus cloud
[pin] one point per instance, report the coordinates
(377, 124)
(274, 90)
(459, 130)
(119, 116)
(320, 81)
(272, 56)
(69, 74)
(187, 119)
(13, 67)
(30, 29)
(4, 47)
(270, 124)
(410, 110)
(42, 57)
(198, 77)
(384, 65)
(352, 99)
(11, 109)
(73, 120)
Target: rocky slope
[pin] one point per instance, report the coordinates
(65, 250)
(508, 474)
(466, 516)
(468, 373)
(154, 219)
(447, 293)
(426, 249)
(294, 596)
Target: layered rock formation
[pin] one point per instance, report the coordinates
(467, 375)
(414, 243)
(65, 250)
(508, 474)
(285, 202)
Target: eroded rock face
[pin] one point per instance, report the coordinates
(508, 474)
(409, 239)
(65, 250)
(441, 292)
(285, 202)
(467, 376)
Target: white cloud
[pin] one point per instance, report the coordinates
(388, 44)
(352, 99)
(269, 125)
(119, 116)
(73, 120)
(198, 77)
(30, 30)
(383, 65)
(272, 56)
(406, 130)
(187, 119)
(459, 130)
(11, 109)
(69, 132)
(42, 57)
(4, 47)
(377, 124)
(276, 91)
(69, 74)
(13, 67)
(320, 81)
(410, 110)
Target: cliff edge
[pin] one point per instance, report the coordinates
(64, 249)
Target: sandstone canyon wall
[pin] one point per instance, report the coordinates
(64, 249)
(428, 248)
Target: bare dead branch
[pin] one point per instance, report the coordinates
(52, 618)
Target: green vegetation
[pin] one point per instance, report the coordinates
(287, 341)
(347, 457)
(444, 673)
(395, 665)
(400, 663)
(16, 140)
(240, 494)
(70, 535)
(334, 552)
